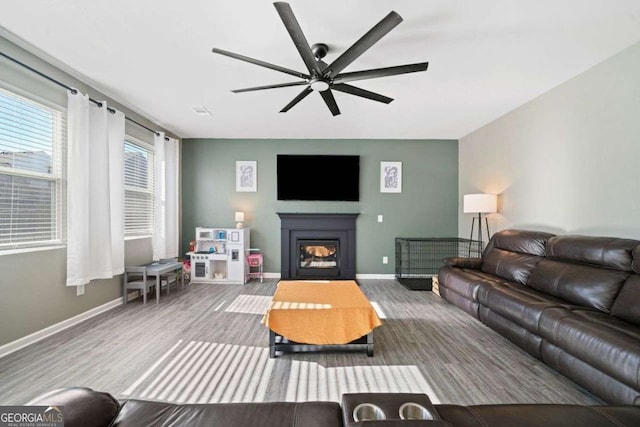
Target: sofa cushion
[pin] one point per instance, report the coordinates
(578, 284)
(512, 254)
(512, 266)
(512, 331)
(517, 303)
(602, 385)
(608, 252)
(136, 413)
(461, 281)
(627, 304)
(609, 345)
(523, 415)
(522, 241)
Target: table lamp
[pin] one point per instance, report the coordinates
(479, 204)
(239, 219)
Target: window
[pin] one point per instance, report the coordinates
(32, 142)
(138, 188)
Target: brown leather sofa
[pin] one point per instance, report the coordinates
(83, 407)
(570, 301)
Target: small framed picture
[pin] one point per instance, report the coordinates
(247, 176)
(391, 177)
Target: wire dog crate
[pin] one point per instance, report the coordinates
(418, 259)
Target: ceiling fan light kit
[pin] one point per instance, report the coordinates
(322, 77)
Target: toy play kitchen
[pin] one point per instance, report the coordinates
(219, 255)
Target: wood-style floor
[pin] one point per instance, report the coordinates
(206, 344)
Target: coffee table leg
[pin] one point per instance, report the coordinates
(272, 344)
(158, 289)
(370, 344)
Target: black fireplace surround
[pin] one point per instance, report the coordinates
(298, 229)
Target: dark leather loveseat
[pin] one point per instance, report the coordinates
(83, 407)
(570, 301)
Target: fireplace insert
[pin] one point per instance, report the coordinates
(321, 254)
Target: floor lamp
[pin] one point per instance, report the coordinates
(480, 204)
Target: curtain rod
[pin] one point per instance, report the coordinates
(74, 91)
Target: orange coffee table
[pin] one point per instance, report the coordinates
(320, 316)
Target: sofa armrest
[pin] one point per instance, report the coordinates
(83, 407)
(473, 263)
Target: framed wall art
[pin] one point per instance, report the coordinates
(247, 176)
(391, 177)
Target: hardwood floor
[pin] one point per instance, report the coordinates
(206, 344)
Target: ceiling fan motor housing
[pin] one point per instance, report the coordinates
(319, 50)
(325, 78)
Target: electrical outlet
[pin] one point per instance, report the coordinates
(79, 290)
(379, 218)
(385, 260)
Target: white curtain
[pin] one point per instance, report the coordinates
(165, 236)
(95, 191)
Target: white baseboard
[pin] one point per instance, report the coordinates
(375, 276)
(271, 275)
(358, 276)
(60, 326)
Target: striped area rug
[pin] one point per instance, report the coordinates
(249, 304)
(205, 372)
(202, 372)
(311, 381)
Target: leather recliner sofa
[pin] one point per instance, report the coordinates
(571, 301)
(83, 407)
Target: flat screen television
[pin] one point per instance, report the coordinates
(319, 177)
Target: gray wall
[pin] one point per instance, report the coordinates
(566, 162)
(427, 206)
(32, 284)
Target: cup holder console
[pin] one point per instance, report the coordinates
(368, 412)
(390, 409)
(415, 411)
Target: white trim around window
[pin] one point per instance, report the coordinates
(32, 171)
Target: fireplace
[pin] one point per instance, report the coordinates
(318, 246)
(318, 257)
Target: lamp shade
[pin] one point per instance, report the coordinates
(480, 203)
(239, 216)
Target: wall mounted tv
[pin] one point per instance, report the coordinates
(316, 177)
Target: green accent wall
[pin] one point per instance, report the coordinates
(427, 206)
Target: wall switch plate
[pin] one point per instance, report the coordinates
(385, 260)
(379, 218)
(79, 290)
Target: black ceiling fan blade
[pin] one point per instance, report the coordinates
(387, 24)
(260, 63)
(327, 95)
(299, 40)
(380, 72)
(352, 90)
(307, 90)
(251, 89)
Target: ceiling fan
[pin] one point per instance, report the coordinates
(324, 77)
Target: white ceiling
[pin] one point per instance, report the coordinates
(486, 58)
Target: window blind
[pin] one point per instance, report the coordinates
(32, 149)
(138, 189)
